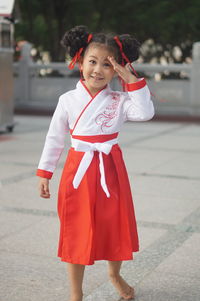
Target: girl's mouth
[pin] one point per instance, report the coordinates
(97, 78)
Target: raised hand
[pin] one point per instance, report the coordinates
(123, 72)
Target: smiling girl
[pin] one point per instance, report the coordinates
(95, 206)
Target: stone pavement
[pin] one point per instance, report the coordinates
(163, 161)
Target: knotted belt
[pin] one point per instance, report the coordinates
(89, 149)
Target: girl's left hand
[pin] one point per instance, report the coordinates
(123, 72)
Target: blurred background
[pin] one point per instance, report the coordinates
(166, 29)
(169, 33)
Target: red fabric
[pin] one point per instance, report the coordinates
(44, 174)
(124, 58)
(75, 59)
(92, 226)
(136, 86)
(96, 138)
(117, 40)
(78, 54)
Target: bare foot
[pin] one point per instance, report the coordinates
(124, 290)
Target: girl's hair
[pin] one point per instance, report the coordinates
(77, 38)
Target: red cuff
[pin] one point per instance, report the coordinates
(44, 174)
(136, 86)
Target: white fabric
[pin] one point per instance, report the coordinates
(89, 149)
(105, 114)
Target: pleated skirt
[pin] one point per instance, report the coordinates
(92, 226)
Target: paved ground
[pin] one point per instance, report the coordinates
(164, 165)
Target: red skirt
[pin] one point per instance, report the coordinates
(92, 226)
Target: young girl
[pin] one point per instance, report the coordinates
(95, 207)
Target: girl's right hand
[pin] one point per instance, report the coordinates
(123, 71)
(44, 188)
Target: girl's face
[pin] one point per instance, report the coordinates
(96, 68)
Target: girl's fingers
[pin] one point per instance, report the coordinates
(122, 74)
(46, 188)
(45, 195)
(118, 66)
(123, 71)
(44, 191)
(128, 68)
(113, 62)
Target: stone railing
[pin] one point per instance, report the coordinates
(171, 96)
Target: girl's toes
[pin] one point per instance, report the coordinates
(129, 295)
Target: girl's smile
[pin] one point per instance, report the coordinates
(97, 69)
(96, 78)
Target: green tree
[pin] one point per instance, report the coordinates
(168, 23)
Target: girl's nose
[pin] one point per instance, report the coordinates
(97, 68)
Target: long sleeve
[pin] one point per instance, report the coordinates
(54, 142)
(138, 106)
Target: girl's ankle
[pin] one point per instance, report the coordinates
(114, 276)
(76, 298)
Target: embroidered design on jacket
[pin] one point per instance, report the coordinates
(106, 119)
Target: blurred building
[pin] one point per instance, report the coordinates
(6, 65)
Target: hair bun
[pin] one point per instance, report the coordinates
(130, 46)
(74, 39)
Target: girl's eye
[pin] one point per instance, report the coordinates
(107, 65)
(92, 62)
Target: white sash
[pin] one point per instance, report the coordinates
(89, 148)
